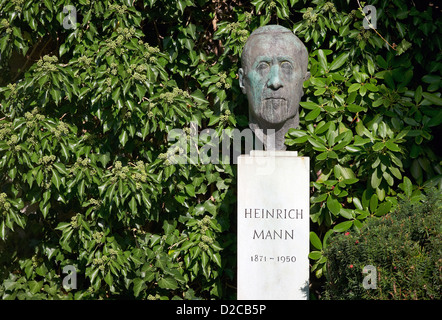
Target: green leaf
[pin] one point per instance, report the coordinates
(354, 87)
(168, 283)
(343, 172)
(56, 180)
(221, 94)
(133, 206)
(48, 4)
(383, 209)
(380, 192)
(388, 77)
(317, 82)
(35, 286)
(204, 259)
(108, 278)
(130, 105)
(375, 179)
(370, 66)
(346, 213)
(3, 230)
(210, 207)
(339, 61)
(123, 138)
(432, 98)
(388, 178)
(297, 133)
(316, 144)
(312, 115)
(62, 225)
(64, 151)
(431, 79)
(120, 104)
(340, 227)
(126, 87)
(354, 108)
(139, 285)
(181, 5)
(140, 91)
(322, 156)
(43, 80)
(371, 87)
(373, 203)
(168, 227)
(392, 146)
(46, 196)
(104, 158)
(403, 46)
(93, 277)
(61, 168)
(12, 173)
(308, 105)
(190, 190)
(322, 59)
(315, 255)
(407, 187)
(378, 146)
(418, 94)
(319, 91)
(213, 120)
(116, 94)
(80, 188)
(333, 205)
(146, 129)
(63, 49)
(4, 42)
(319, 198)
(396, 172)
(315, 241)
(217, 258)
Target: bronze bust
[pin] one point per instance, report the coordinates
(274, 67)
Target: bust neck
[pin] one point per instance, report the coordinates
(265, 132)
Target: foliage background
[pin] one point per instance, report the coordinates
(86, 174)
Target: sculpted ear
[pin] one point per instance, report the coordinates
(241, 80)
(307, 76)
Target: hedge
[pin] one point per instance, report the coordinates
(403, 249)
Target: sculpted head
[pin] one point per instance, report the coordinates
(274, 67)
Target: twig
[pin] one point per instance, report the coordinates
(371, 26)
(159, 37)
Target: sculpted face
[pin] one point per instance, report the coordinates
(274, 67)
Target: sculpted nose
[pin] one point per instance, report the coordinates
(274, 81)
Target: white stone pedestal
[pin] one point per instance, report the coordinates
(273, 226)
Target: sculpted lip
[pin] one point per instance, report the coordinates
(274, 98)
(275, 103)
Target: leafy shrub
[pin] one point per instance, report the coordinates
(405, 248)
(86, 173)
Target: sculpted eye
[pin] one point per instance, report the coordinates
(262, 66)
(286, 65)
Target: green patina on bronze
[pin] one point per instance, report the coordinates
(274, 67)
